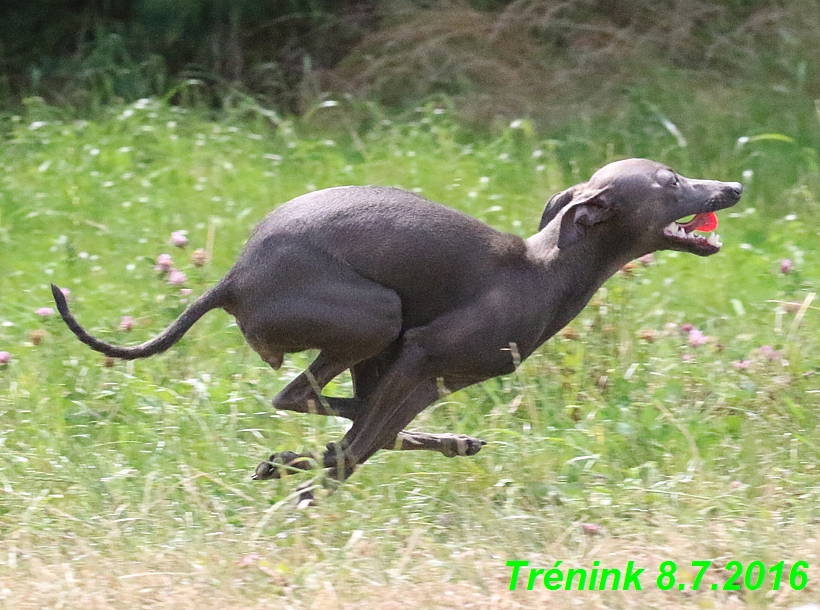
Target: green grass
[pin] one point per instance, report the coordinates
(129, 484)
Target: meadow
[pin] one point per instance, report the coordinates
(675, 419)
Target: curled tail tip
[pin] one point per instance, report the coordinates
(59, 299)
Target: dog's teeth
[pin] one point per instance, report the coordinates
(714, 240)
(673, 229)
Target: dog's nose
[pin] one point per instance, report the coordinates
(737, 187)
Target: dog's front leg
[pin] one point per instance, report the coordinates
(450, 445)
(404, 391)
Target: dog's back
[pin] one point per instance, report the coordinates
(428, 253)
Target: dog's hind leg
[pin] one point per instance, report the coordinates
(401, 394)
(366, 376)
(303, 394)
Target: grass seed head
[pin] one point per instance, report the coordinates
(199, 257)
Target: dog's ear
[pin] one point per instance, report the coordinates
(555, 205)
(586, 210)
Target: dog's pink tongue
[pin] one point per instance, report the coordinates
(702, 222)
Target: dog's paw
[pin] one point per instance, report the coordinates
(269, 469)
(279, 464)
(334, 451)
(463, 445)
(306, 496)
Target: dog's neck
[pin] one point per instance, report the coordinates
(573, 274)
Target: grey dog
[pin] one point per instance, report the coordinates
(411, 295)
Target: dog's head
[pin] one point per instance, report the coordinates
(642, 204)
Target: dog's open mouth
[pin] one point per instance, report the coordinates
(683, 233)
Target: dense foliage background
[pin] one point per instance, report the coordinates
(550, 59)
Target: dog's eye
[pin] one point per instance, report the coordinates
(666, 177)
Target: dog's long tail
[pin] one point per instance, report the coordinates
(212, 299)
